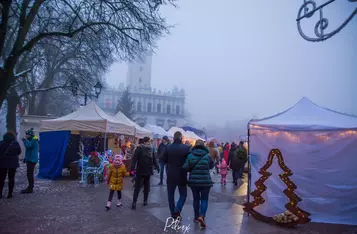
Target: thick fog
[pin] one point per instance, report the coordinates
(238, 59)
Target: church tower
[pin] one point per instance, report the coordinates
(139, 74)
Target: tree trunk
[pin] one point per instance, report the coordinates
(13, 100)
(4, 86)
(32, 105)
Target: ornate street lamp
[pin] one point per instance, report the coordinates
(97, 89)
(308, 9)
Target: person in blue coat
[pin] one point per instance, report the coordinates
(174, 157)
(31, 158)
(198, 164)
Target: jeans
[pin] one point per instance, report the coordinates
(241, 170)
(111, 194)
(139, 180)
(171, 188)
(200, 194)
(10, 172)
(30, 173)
(162, 168)
(235, 175)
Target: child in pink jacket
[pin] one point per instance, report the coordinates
(223, 171)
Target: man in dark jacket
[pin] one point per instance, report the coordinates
(175, 157)
(143, 162)
(233, 163)
(9, 161)
(237, 160)
(160, 154)
(243, 157)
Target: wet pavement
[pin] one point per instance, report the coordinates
(67, 207)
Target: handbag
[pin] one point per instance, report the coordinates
(191, 168)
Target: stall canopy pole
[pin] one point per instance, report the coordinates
(105, 142)
(249, 169)
(82, 176)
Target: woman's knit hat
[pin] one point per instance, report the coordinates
(30, 132)
(118, 161)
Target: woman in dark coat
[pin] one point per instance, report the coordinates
(9, 161)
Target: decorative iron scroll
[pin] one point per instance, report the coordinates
(308, 9)
(302, 216)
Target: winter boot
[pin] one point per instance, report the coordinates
(118, 203)
(133, 206)
(108, 205)
(27, 190)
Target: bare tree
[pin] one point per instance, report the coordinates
(128, 27)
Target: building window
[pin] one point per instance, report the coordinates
(149, 107)
(168, 109)
(177, 110)
(107, 103)
(139, 106)
(158, 108)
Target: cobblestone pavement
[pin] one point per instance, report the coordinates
(67, 207)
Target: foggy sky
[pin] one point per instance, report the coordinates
(236, 59)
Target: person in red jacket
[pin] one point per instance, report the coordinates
(226, 151)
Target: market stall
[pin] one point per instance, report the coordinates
(90, 122)
(316, 148)
(172, 131)
(140, 132)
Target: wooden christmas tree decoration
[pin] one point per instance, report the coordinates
(297, 215)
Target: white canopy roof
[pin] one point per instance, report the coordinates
(88, 118)
(306, 115)
(158, 132)
(193, 135)
(172, 131)
(139, 131)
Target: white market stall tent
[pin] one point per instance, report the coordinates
(89, 118)
(158, 132)
(140, 132)
(172, 131)
(320, 148)
(55, 135)
(193, 136)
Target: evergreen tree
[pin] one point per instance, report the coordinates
(126, 105)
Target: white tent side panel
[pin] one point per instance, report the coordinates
(324, 170)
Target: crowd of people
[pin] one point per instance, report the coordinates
(9, 160)
(185, 166)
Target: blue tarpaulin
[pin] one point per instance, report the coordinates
(52, 152)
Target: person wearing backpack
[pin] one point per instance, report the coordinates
(243, 158)
(143, 162)
(198, 164)
(233, 162)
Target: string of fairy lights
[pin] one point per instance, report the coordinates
(302, 216)
(94, 140)
(299, 136)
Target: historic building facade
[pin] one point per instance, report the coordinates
(165, 109)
